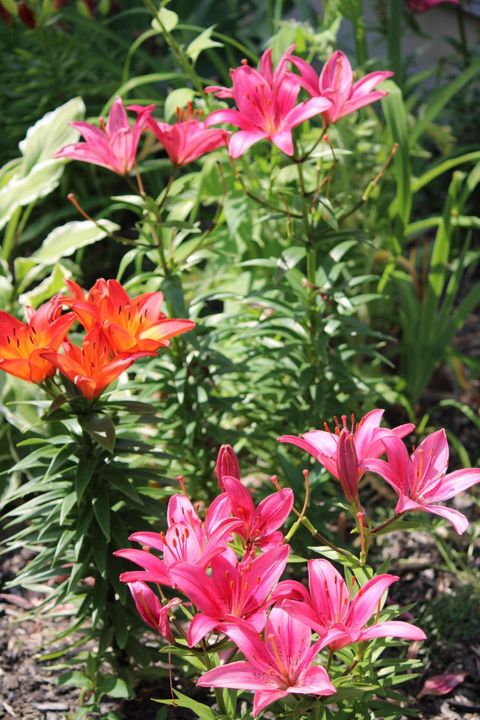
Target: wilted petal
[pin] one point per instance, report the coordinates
(442, 684)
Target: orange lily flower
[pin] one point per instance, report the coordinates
(22, 345)
(92, 367)
(130, 324)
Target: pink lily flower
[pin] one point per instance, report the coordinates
(280, 664)
(187, 139)
(151, 609)
(420, 480)
(187, 539)
(343, 452)
(114, 145)
(258, 525)
(336, 83)
(227, 464)
(421, 6)
(267, 105)
(233, 590)
(328, 605)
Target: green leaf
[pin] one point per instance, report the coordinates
(50, 134)
(397, 121)
(440, 98)
(179, 98)
(67, 239)
(68, 502)
(52, 284)
(202, 711)
(101, 429)
(113, 687)
(101, 510)
(83, 475)
(202, 42)
(38, 172)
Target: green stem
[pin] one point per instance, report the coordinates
(463, 35)
(386, 524)
(218, 691)
(360, 36)
(394, 40)
(176, 48)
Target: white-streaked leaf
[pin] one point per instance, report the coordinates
(66, 239)
(51, 133)
(53, 284)
(168, 18)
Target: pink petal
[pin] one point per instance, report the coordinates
(328, 591)
(431, 457)
(200, 626)
(306, 110)
(241, 141)
(198, 587)
(356, 103)
(150, 539)
(459, 521)
(337, 74)
(309, 77)
(273, 511)
(149, 562)
(368, 598)
(393, 628)
(247, 640)
(219, 510)
(284, 141)
(238, 675)
(305, 613)
(364, 435)
(292, 590)
(454, 483)
(241, 501)
(291, 638)
(180, 509)
(368, 83)
(232, 117)
(262, 698)
(314, 681)
(117, 118)
(265, 66)
(264, 574)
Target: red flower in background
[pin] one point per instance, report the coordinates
(130, 324)
(421, 6)
(22, 345)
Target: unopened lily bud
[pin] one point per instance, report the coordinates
(347, 463)
(227, 464)
(26, 15)
(151, 610)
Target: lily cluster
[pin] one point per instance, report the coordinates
(228, 569)
(267, 108)
(420, 479)
(118, 330)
